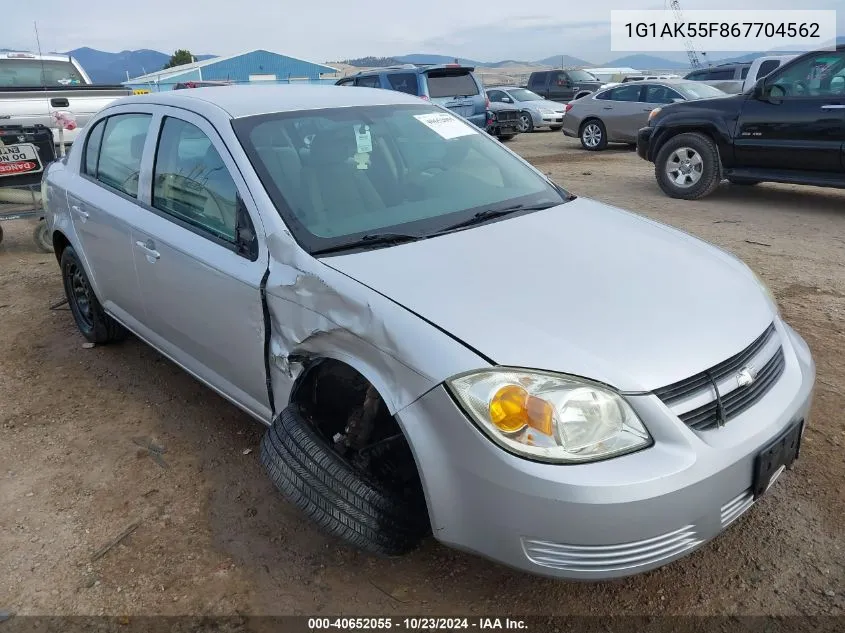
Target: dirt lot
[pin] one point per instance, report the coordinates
(215, 538)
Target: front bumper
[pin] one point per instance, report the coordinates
(607, 519)
(643, 141)
(545, 120)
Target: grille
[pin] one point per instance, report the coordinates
(507, 115)
(734, 399)
(734, 508)
(607, 558)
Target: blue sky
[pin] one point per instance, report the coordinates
(486, 30)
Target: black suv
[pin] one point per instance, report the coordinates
(562, 85)
(789, 128)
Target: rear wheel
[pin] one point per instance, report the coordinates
(506, 137)
(92, 321)
(526, 122)
(593, 135)
(687, 166)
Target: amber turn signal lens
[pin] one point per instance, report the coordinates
(513, 408)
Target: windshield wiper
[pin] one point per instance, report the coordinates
(370, 239)
(489, 214)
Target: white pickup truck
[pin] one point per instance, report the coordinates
(32, 87)
(735, 78)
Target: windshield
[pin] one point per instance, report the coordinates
(521, 94)
(697, 90)
(34, 73)
(581, 75)
(339, 174)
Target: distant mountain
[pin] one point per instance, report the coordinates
(566, 60)
(646, 62)
(425, 58)
(112, 68)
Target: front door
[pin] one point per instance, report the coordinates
(106, 204)
(624, 112)
(202, 296)
(799, 122)
(560, 87)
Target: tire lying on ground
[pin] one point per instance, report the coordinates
(687, 166)
(342, 500)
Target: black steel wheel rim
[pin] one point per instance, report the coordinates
(80, 294)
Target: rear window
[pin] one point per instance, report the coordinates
(451, 84)
(34, 73)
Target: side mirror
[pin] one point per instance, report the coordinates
(507, 100)
(246, 240)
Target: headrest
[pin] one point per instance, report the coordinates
(136, 146)
(333, 147)
(271, 135)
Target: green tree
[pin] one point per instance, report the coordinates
(178, 58)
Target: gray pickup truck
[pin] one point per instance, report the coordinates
(32, 87)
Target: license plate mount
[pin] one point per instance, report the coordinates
(779, 455)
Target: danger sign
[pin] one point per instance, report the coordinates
(18, 168)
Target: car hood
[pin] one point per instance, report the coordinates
(582, 288)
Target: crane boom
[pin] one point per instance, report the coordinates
(691, 54)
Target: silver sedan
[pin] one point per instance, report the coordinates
(439, 339)
(615, 114)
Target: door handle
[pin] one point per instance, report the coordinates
(80, 211)
(607, 108)
(833, 106)
(148, 248)
(647, 109)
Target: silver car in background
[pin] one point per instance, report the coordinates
(615, 114)
(534, 111)
(439, 339)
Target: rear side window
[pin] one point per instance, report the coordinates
(451, 84)
(370, 81)
(404, 82)
(537, 79)
(720, 75)
(766, 67)
(120, 152)
(191, 182)
(744, 72)
(92, 148)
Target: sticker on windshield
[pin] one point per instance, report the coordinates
(445, 125)
(363, 140)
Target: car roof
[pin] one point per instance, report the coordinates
(243, 101)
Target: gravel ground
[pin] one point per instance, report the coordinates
(211, 535)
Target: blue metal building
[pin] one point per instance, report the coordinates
(250, 67)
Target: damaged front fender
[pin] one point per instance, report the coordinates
(316, 312)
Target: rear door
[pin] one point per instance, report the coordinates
(201, 292)
(104, 205)
(560, 87)
(803, 126)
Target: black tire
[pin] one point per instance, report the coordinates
(555, 128)
(92, 321)
(526, 122)
(506, 137)
(593, 135)
(343, 501)
(747, 182)
(1, 234)
(702, 157)
(41, 237)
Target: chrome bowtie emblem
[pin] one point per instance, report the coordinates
(746, 376)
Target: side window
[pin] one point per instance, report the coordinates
(92, 148)
(766, 67)
(660, 94)
(605, 95)
(698, 75)
(812, 76)
(744, 73)
(191, 182)
(495, 96)
(404, 82)
(720, 75)
(560, 78)
(537, 80)
(369, 81)
(121, 150)
(626, 93)
(345, 82)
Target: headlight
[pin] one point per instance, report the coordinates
(550, 417)
(653, 113)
